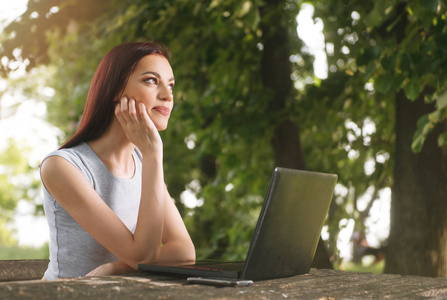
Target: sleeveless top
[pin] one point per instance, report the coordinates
(73, 251)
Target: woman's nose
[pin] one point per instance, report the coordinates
(166, 93)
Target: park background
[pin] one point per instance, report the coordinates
(355, 88)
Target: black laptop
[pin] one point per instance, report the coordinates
(285, 237)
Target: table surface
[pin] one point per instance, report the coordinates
(318, 284)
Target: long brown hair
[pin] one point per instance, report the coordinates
(107, 85)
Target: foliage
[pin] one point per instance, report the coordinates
(13, 164)
(220, 130)
(397, 45)
(219, 107)
(353, 131)
(16, 252)
(6, 237)
(14, 187)
(382, 47)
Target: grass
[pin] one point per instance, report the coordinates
(17, 252)
(370, 268)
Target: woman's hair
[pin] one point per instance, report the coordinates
(107, 85)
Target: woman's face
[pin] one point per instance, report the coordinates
(152, 83)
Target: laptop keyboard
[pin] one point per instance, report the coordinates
(223, 266)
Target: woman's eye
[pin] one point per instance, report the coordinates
(151, 80)
(171, 86)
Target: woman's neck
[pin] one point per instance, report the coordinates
(115, 151)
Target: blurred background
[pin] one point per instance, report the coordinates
(356, 89)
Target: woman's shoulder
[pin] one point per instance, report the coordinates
(79, 156)
(78, 150)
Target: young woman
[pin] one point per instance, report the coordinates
(105, 198)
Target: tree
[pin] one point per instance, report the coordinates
(276, 71)
(237, 113)
(420, 184)
(220, 113)
(14, 166)
(399, 47)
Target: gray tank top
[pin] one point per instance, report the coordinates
(74, 252)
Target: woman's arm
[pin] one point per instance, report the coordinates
(73, 192)
(113, 268)
(177, 244)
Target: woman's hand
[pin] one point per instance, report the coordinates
(138, 126)
(117, 267)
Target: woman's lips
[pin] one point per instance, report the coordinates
(163, 110)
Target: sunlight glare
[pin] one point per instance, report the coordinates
(311, 32)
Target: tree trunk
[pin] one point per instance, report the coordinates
(275, 72)
(418, 235)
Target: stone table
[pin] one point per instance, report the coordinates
(318, 284)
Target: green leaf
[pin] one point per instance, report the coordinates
(417, 144)
(430, 5)
(243, 9)
(425, 125)
(405, 63)
(377, 14)
(413, 89)
(428, 98)
(253, 18)
(214, 4)
(442, 139)
(384, 83)
(370, 69)
(435, 117)
(428, 66)
(368, 55)
(420, 134)
(398, 80)
(389, 62)
(441, 99)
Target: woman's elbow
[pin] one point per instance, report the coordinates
(147, 256)
(180, 251)
(184, 251)
(190, 252)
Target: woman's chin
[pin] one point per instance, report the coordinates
(161, 127)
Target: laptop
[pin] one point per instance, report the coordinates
(286, 235)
